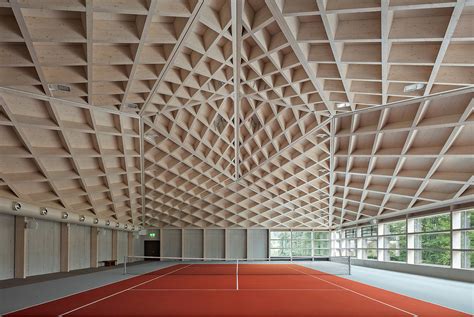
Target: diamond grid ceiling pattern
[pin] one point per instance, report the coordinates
(228, 113)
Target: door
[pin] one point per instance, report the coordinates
(152, 248)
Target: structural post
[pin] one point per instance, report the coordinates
(64, 247)
(94, 247)
(20, 247)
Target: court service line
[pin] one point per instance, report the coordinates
(355, 292)
(122, 291)
(233, 289)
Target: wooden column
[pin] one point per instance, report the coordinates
(20, 247)
(114, 244)
(64, 247)
(94, 247)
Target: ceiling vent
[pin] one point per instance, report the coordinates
(219, 123)
(59, 87)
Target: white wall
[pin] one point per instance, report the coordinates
(7, 246)
(79, 247)
(122, 245)
(257, 243)
(171, 242)
(105, 244)
(236, 243)
(193, 240)
(43, 248)
(214, 240)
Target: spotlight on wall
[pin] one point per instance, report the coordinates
(117, 225)
(64, 215)
(16, 206)
(126, 227)
(43, 211)
(373, 222)
(82, 218)
(96, 221)
(107, 223)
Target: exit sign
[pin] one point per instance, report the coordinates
(152, 234)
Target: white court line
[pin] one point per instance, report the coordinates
(348, 289)
(82, 291)
(233, 289)
(122, 291)
(237, 275)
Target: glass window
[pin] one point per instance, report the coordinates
(301, 244)
(432, 245)
(433, 223)
(395, 227)
(351, 233)
(395, 241)
(467, 219)
(370, 231)
(321, 243)
(280, 243)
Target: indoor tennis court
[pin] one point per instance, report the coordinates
(278, 158)
(224, 288)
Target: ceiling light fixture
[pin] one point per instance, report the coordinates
(59, 87)
(340, 105)
(16, 206)
(82, 218)
(96, 221)
(43, 211)
(64, 215)
(413, 87)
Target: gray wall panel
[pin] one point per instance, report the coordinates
(43, 248)
(236, 243)
(79, 247)
(7, 246)
(171, 242)
(214, 241)
(193, 240)
(257, 243)
(105, 244)
(122, 245)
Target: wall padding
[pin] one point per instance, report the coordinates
(236, 243)
(193, 240)
(105, 244)
(171, 242)
(7, 246)
(79, 247)
(122, 245)
(257, 243)
(43, 247)
(214, 240)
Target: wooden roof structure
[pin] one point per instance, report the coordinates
(228, 113)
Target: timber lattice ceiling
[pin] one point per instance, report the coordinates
(223, 113)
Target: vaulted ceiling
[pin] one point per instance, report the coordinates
(128, 110)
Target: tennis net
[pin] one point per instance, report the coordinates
(140, 265)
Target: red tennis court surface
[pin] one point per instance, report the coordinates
(243, 290)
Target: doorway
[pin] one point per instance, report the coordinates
(152, 248)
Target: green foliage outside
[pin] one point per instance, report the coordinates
(435, 246)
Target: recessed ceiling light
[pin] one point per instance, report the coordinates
(340, 105)
(413, 87)
(59, 87)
